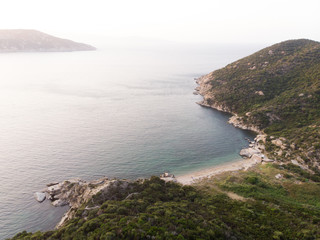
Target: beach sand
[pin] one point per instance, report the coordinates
(193, 177)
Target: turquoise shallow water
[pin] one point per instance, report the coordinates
(117, 113)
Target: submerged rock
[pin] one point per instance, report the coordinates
(40, 196)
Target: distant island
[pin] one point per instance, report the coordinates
(25, 40)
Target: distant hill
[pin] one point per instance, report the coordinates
(22, 40)
(277, 89)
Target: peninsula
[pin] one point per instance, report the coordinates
(24, 40)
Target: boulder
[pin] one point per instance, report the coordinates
(257, 158)
(277, 142)
(248, 152)
(59, 203)
(55, 189)
(40, 196)
(261, 137)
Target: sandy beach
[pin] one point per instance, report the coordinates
(209, 172)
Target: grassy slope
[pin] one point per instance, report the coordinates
(288, 208)
(288, 74)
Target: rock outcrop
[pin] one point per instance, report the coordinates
(256, 150)
(76, 193)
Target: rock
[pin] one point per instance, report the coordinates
(55, 189)
(279, 152)
(268, 160)
(238, 123)
(40, 196)
(295, 162)
(248, 152)
(257, 158)
(261, 137)
(260, 93)
(277, 142)
(169, 179)
(278, 176)
(59, 203)
(51, 184)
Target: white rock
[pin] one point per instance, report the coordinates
(295, 162)
(277, 142)
(248, 152)
(261, 137)
(40, 196)
(260, 93)
(278, 176)
(257, 158)
(55, 189)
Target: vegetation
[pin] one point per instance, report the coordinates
(278, 90)
(288, 208)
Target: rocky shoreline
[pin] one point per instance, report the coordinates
(256, 150)
(203, 89)
(73, 192)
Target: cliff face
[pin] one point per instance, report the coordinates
(35, 41)
(275, 90)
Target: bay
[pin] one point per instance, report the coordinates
(121, 111)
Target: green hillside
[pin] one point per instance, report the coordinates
(260, 207)
(278, 90)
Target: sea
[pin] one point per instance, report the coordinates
(123, 111)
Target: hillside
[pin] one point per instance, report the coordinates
(34, 41)
(277, 90)
(240, 205)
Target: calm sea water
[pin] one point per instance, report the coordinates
(116, 112)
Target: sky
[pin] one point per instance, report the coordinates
(197, 21)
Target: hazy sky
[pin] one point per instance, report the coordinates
(266, 21)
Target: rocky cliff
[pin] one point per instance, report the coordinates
(274, 91)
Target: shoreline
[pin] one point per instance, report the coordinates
(241, 163)
(196, 176)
